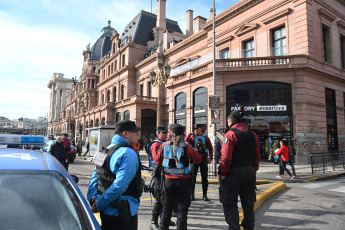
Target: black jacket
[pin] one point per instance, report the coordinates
(58, 151)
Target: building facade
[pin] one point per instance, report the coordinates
(283, 61)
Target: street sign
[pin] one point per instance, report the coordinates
(214, 101)
(215, 116)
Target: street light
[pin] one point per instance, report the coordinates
(159, 77)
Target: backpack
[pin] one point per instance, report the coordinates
(148, 150)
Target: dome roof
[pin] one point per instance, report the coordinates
(103, 45)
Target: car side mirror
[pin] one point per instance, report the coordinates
(75, 178)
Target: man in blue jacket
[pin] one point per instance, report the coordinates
(115, 185)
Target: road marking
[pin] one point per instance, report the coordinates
(339, 189)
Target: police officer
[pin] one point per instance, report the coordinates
(174, 157)
(240, 157)
(115, 186)
(202, 144)
(157, 207)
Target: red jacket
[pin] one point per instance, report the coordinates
(191, 154)
(154, 151)
(228, 148)
(190, 140)
(284, 152)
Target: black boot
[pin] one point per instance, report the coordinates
(192, 198)
(205, 198)
(154, 225)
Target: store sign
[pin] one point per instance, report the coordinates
(276, 118)
(246, 108)
(263, 108)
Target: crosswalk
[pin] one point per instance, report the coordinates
(336, 185)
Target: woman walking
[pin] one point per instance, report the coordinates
(284, 153)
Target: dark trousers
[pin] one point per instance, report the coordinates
(157, 206)
(115, 223)
(282, 167)
(87, 150)
(203, 170)
(239, 181)
(175, 190)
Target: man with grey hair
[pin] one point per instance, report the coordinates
(240, 157)
(58, 151)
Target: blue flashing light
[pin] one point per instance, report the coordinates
(21, 140)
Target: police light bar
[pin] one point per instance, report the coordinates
(21, 140)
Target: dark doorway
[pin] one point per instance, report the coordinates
(148, 123)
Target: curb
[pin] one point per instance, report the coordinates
(317, 178)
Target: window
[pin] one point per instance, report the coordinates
(108, 70)
(200, 106)
(149, 90)
(112, 67)
(180, 109)
(123, 60)
(118, 117)
(94, 70)
(108, 96)
(141, 90)
(249, 51)
(122, 92)
(126, 115)
(93, 83)
(279, 42)
(224, 54)
(331, 115)
(114, 92)
(103, 98)
(103, 121)
(103, 73)
(326, 44)
(342, 48)
(115, 66)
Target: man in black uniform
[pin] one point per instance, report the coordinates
(240, 157)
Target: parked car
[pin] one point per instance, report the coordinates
(38, 193)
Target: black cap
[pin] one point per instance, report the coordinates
(177, 129)
(162, 129)
(65, 134)
(126, 125)
(196, 126)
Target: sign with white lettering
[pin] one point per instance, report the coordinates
(263, 108)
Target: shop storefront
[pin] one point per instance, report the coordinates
(267, 107)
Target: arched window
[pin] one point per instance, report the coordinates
(97, 122)
(123, 60)
(103, 121)
(103, 98)
(200, 106)
(87, 124)
(126, 115)
(114, 92)
(180, 109)
(91, 123)
(108, 96)
(118, 117)
(122, 92)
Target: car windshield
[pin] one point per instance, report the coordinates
(39, 200)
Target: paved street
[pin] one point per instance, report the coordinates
(311, 205)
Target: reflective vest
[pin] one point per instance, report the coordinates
(177, 164)
(106, 177)
(200, 138)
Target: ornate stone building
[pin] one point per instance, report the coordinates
(282, 60)
(59, 88)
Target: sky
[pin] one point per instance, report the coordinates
(42, 37)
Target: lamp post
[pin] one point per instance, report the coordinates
(159, 77)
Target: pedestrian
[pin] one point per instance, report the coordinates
(292, 152)
(218, 150)
(202, 144)
(284, 158)
(174, 156)
(67, 145)
(58, 151)
(162, 133)
(87, 147)
(273, 148)
(115, 186)
(240, 158)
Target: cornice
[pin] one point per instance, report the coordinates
(245, 28)
(326, 14)
(331, 9)
(276, 16)
(341, 24)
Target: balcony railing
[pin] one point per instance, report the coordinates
(136, 98)
(254, 61)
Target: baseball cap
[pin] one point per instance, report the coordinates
(126, 125)
(177, 129)
(162, 129)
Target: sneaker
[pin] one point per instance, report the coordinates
(279, 176)
(292, 176)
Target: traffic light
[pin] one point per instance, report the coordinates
(80, 128)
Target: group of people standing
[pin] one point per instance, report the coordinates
(115, 187)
